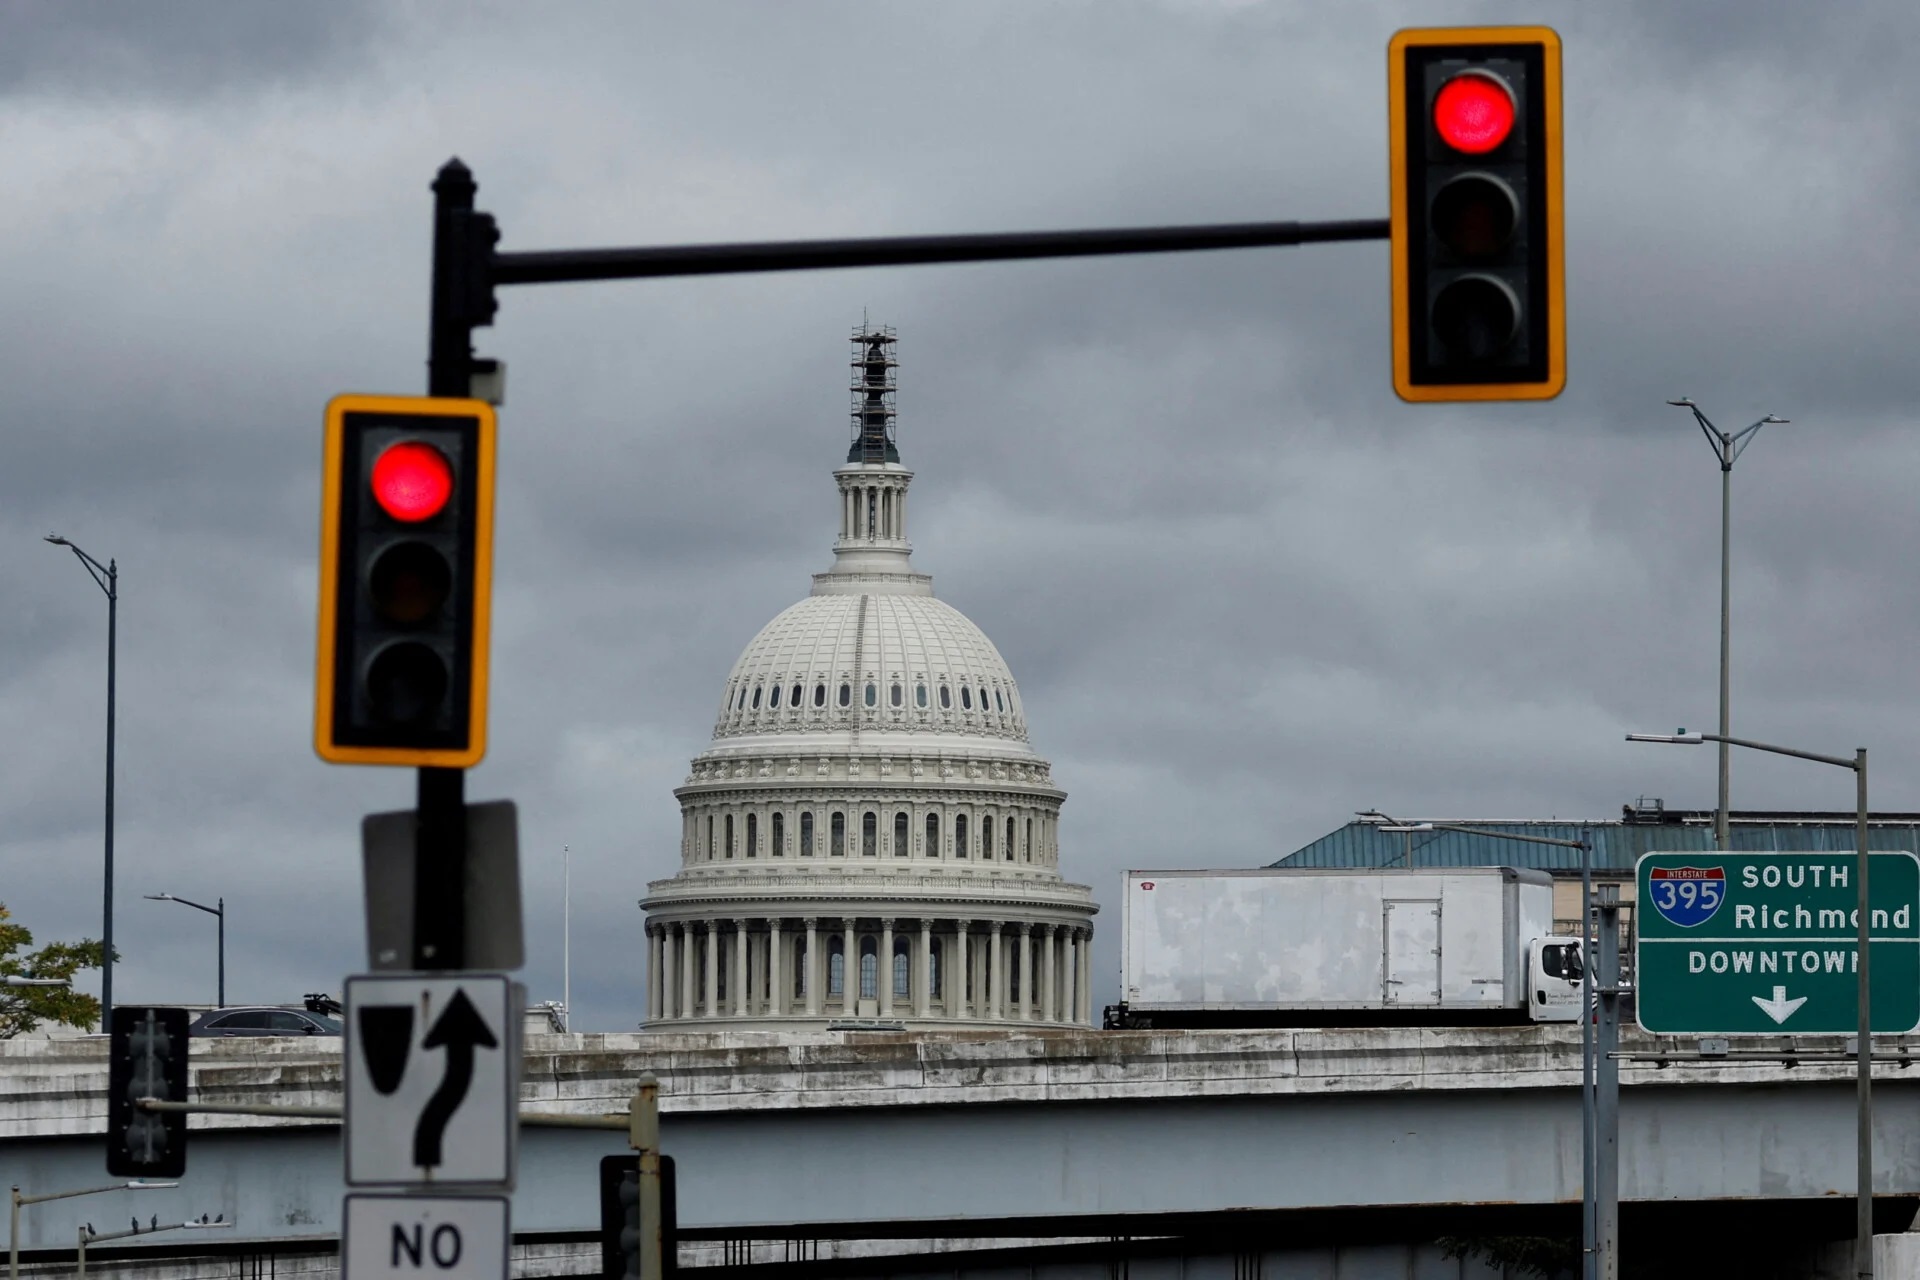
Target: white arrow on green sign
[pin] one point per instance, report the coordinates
(1766, 943)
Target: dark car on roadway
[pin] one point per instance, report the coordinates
(263, 1020)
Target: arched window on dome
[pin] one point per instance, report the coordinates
(753, 835)
(729, 835)
(709, 837)
(836, 966)
(920, 696)
(983, 699)
(959, 836)
(756, 697)
(946, 698)
(1010, 840)
(846, 695)
(869, 834)
(998, 705)
(793, 699)
(869, 969)
(806, 835)
(873, 695)
(895, 697)
(838, 848)
(820, 695)
(986, 838)
(902, 968)
(966, 699)
(900, 834)
(933, 834)
(780, 835)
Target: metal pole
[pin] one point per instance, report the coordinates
(643, 1135)
(80, 1254)
(440, 861)
(1863, 1236)
(1726, 503)
(221, 916)
(106, 928)
(13, 1235)
(566, 934)
(1587, 1008)
(1606, 1211)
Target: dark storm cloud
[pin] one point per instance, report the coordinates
(181, 49)
(1245, 590)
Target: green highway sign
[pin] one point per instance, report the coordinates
(1765, 943)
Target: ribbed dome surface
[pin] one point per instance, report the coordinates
(872, 662)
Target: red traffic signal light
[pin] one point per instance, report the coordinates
(406, 563)
(412, 481)
(1479, 310)
(1473, 112)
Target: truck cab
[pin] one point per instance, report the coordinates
(1554, 980)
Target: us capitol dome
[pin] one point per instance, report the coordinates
(869, 836)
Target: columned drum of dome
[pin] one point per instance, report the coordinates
(869, 835)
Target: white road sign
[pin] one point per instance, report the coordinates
(432, 1070)
(412, 1237)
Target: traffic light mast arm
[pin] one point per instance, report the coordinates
(558, 266)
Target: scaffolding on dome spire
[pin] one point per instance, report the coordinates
(873, 394)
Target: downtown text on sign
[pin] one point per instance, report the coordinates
(1765, 943)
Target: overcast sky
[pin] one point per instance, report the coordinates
(1245, 590)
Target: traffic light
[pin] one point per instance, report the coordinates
(147, 1058)
(620, 1219)
(1479, 306)
(406, 565)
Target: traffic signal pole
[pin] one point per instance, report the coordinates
(440, 842)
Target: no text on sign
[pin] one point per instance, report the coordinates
(1765, 943)
(400, 1237)
(431, 1067)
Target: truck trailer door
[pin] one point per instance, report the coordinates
(1412, 936)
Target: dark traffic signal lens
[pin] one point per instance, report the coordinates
(1473, 112)
(406, 683)
(409, 582)
(412, 481)
(1475, 214)
(1477, 317)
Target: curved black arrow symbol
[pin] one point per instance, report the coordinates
(459, 1028)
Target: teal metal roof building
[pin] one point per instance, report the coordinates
(1645, 827)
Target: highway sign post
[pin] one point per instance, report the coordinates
(432, 1080)
(1743, 944)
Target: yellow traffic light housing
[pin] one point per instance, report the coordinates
(406, 570)
(1479, 281)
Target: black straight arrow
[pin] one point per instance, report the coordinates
(459, 1029)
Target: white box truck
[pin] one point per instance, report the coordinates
(1280, 946)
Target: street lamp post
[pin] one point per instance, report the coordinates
(1727, 448)
(1863, 1047)
(220, 912)
(108, 577)
(13, 1218)
(1599, 1091)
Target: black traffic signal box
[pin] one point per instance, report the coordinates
(406, 566)
(620, 1223)
(1479, 307)
(147, 1058)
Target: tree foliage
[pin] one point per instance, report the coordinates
(24, 1008)
(1543, 1256)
